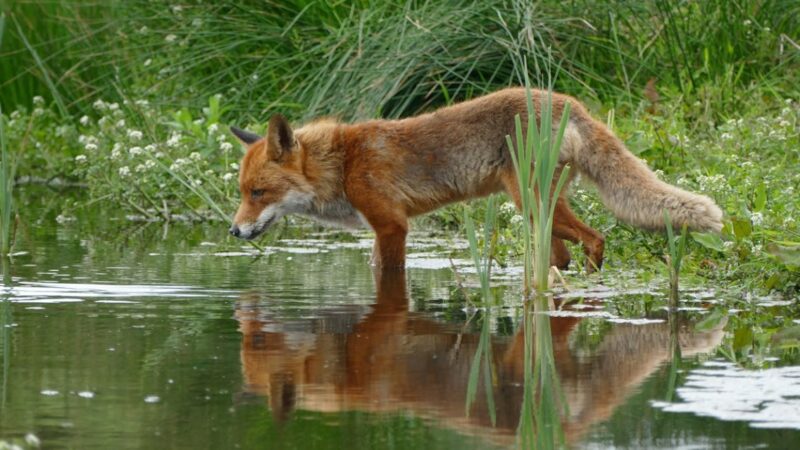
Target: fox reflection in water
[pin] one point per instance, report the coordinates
(390, 359)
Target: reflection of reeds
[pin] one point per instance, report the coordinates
(5, 330)
(483, 266)
(535, 162)
(543, 403)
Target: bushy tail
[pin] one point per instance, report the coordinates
(632, 191)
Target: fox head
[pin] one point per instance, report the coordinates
(271, 180)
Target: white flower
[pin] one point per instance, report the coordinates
(174, 140)
(171, 38)
(135, 135)
(113, 106)
(209, 172)
(254, 77)
(226, 147)
(177, 9)
(159, 155)
(80, 159)
(195, 156)
(38, 100)
(144, 29)
(197, 23)
(32, 440)
(178, 163)
(103, 121)
(213, 128)
(124, 171)
(228, 176)
(508, 208)
(121, 123)
(149, 164)
(197, 182)
(136, 151)
(234, 166)
(726, 136)
(784, 123)
(150, 148)
(99, 105)
(516, 219)
(90, 147)
(15, 115)
(140, 168)
(142, 103)
(747, 22)
(728, 245)
(84, 120)
(757, 218)
(147, 62)
(38, 112)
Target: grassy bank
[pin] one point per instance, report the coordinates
(132, 99)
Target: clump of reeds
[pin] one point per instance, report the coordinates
(483, 266)
(535, 157)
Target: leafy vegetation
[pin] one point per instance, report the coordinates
(132, 100)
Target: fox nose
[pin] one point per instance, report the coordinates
(234, 231)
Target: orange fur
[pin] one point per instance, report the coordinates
(382, 172)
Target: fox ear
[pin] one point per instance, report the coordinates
(246, 137)
(280, 138)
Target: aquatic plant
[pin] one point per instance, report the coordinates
(6, 177)
(535, 158)
(677, 250)
(483, 266)
(543, 402)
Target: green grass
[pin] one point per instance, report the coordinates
(715, 118)
(6, 176)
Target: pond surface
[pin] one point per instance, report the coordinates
(118, 335)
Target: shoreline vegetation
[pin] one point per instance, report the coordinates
(131, 101)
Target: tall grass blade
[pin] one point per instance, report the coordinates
(43, 69)
(6, 192)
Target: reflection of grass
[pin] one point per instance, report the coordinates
(543, 404)
(5, 331)
(483, 266)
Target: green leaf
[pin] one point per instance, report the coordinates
(712, 321)
(789, 255)
(709, 240)
(742, 228)
(760, 200)
(742, 338)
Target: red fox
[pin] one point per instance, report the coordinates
(380, 173)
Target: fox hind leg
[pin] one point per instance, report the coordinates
(559, 253)
(567, 226)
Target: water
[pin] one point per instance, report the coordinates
(120, 335)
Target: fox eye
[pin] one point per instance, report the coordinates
(256, 193)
